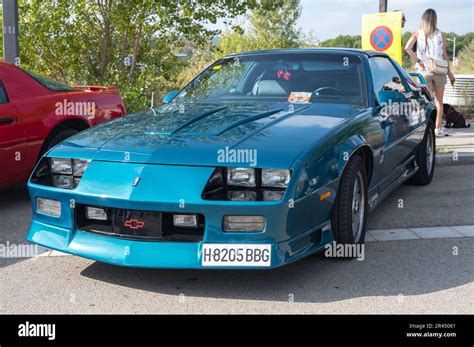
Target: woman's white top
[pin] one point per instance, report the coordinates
(426, 48)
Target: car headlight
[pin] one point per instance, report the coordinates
(59, 172)
(67, 173)
(242, 195)
(79, 166)
(275, 178)
(246, 184)
(241, 177)
(62, 181)
(61, 166)
(72, 167)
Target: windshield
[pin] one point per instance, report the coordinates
(294, 78)
(50, 83)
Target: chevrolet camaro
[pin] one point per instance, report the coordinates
(264, 158)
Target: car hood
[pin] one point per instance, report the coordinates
(274, 134)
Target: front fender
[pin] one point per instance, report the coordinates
(325, 163)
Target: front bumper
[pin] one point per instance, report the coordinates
(177, 255)
(293, 232)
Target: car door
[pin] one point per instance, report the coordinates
(420, 98)
(397, 115)
(12, 140)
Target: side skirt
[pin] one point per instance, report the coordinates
(376, 197)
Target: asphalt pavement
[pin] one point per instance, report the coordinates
(409, 276)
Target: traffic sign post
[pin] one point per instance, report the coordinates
(10, 32)
(382, 32)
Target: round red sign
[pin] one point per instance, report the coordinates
(381, 38)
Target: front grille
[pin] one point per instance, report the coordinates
(139, 225)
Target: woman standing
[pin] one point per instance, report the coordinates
(432, 60)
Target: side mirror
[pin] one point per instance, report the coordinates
(418, 76)
(169, 96)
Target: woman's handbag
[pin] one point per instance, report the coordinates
(438, 66)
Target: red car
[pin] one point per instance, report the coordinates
(37, 113)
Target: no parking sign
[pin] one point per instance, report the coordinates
(381, 38)
(382, 32)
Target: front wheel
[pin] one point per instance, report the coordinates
(349, 217)
(425, 158)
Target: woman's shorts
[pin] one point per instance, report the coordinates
(435, 80)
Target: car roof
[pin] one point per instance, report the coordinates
(312, 50)
(3, 62)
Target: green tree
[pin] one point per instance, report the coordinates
(347, 41)
(462, 41)
(276, 28)
(408, 63)
(272, 25)
(86, 42)
(466, 60)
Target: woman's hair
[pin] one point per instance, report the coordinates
(429, 21)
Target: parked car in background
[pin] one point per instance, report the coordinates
(263, 159)
(37, 113)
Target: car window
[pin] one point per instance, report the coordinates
(3, 94)
(411, 80)
(285, 77)
(385, 76)
(50, 83)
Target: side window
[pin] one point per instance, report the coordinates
(411, 81)
(3, 94)
(385, 76)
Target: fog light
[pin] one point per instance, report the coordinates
(185, 220)
(244, 223)
(48, 207)
(96, 213)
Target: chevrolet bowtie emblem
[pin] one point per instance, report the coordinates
(134, 224)
(135, 183)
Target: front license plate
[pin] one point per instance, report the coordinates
(217, 254)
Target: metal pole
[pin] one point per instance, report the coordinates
(383, 5)
(454, 49)
(11, 52)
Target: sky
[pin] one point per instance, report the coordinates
(329, 18)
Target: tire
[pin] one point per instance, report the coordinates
(342, 221)
(425, 165)
(58, 138)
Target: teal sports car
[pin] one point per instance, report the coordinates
(264, 158)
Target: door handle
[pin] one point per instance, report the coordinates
(7, 120)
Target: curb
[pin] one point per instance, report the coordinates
(447, 159)
(420, 233)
